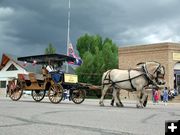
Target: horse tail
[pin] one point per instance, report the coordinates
(104, 77)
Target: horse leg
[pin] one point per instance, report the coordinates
(118, 97)
(112, 101)
(115, 96)
(139, 102)
(144, 98)
(104, 90)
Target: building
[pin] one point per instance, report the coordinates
(9, 69)
(168, 54)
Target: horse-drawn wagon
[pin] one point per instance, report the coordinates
(44, 84)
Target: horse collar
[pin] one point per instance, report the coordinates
(157, 68)
(150, 76)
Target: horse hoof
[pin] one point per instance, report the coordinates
(119, 105)
(139, 106)
(112, 104)
(101, 104)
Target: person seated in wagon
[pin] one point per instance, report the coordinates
(55, 74)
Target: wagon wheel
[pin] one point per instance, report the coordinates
(38, 95)
(78, 96)
(15, 90)
(55, 93)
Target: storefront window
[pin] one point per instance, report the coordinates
(178, 80)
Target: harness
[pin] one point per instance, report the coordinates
(114, 84)
(146, 76)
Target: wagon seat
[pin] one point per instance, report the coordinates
(31, 78)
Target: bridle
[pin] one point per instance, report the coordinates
(157, 72)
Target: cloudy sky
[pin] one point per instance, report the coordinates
(28, 26)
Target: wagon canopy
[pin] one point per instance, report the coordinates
(47, 58)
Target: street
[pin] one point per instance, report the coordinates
(27, 117)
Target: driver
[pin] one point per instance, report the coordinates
(50, 68)
(54, 73)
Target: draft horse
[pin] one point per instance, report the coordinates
(133, 80)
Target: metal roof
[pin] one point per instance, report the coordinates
(47, 58)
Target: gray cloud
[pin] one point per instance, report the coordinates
(26, 27)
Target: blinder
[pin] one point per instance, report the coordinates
(159, 74)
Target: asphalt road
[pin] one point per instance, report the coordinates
(27, 117)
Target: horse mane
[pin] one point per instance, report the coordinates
(140, 63)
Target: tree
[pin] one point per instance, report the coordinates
(98, 56)
(50, 49)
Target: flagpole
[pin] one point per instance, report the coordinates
(68, 33)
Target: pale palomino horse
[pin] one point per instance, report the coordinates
(133, 80)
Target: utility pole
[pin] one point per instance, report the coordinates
(68, 33)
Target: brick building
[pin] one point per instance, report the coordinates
(168, 54)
